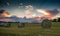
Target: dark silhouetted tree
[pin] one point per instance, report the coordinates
(58, 19)
(54, 20)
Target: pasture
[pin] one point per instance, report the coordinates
(30, 30)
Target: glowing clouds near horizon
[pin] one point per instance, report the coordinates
(28, 12)
(4, 13)
(45, 13)
(42, 11)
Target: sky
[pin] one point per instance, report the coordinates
(29, 8)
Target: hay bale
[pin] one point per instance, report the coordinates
(21, 25)
(5, 24)
(46, 23)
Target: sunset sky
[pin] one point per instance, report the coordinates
(30, 8)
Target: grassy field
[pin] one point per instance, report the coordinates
(30, 30)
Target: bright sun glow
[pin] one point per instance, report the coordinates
(43, 12)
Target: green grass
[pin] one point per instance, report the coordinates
(30, 30)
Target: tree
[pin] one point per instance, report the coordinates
(58, 19)
(54, 20)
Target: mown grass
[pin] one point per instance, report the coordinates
(30, 30)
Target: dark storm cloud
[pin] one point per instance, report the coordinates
(54, 12)
(2, 11)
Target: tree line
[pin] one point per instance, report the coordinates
(56, 20)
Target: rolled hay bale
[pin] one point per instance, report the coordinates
(46, 23)
(21, 25)
(8, 24)
(5, 24)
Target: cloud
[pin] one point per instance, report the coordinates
(8, 3)
(4, 13)
(58, 10)
(48, 13)
(29, 7)
(45, 13)
(21, 5)
(54, 12)
(21, 14)
(28, 14)
(17, 12)
(34, 15)
(42, 12)
(28, 10)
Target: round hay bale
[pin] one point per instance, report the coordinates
(46, 23)
(21, 25)
(4, 24)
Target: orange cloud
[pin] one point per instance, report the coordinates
(45, 13)
(5, 13)
(42, 11)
